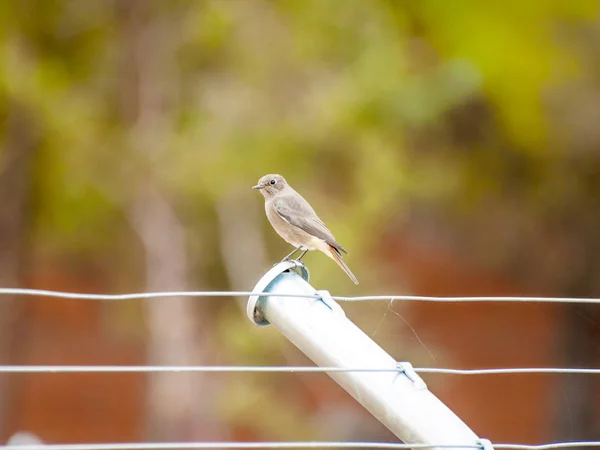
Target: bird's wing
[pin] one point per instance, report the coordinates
(297, 212)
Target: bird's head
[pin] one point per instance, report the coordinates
(270, 185)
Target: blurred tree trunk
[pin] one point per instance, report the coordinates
(578, 419)
(175, 401)
(242, 243)
(179, 404)
(16, 161)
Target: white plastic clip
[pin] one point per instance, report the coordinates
(331, 303)
(408, 370)
(485, 444)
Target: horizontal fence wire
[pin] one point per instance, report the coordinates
(252, 445)
(150, 295)
(287, 369)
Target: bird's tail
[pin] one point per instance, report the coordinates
(337, 257)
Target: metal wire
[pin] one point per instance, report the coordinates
(467, 299)
(285, 369)
(548, 446)
(149, 295)
(238, 445)
(138, 296)
(252, 445)
(506, 370)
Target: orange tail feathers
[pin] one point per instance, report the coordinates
(335, 255)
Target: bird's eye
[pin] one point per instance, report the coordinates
(273, 182)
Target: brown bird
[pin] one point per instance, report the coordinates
(297, 223)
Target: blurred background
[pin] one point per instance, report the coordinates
(452, 147)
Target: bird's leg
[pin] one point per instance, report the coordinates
(287, 258)
(302, 255)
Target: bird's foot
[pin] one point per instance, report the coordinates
(287, 258)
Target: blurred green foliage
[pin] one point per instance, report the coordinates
(321, 91)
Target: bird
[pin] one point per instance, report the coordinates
(297, 223)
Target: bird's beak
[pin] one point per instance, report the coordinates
(258, 186)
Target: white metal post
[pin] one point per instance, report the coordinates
(319, 328)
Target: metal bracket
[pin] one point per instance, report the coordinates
(485, 444)
(408, 370)
(331, 303)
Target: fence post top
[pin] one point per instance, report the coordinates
(263, 285)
